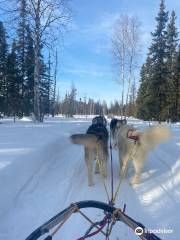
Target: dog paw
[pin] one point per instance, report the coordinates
(134, 182)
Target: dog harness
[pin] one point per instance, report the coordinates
(99, 130)
(132, 134)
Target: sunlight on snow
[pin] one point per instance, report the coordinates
(4, 164)
(10, 151)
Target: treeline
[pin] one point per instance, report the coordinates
(159, 91)
(70, 106)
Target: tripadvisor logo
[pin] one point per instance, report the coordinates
(138, 231)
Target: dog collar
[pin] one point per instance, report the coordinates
(131, 134)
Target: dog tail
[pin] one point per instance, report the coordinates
(155, 135)
(88, 140)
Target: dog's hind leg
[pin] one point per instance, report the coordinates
(97, 170)
(120, 160)
(103, 155)
(89, 158)
(138, 165)
(104, 168)
(123, 169)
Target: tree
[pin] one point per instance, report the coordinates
(152, 93)
(158, 55)
(144, 100)
(21, 48)
(54, 86)
(13, 83)
(29, 73)
(71, 101)
(43, 16)
(3, 68)
(172, 43)
(44, 87)
(126, 49)
(176, 82)
(131, 106)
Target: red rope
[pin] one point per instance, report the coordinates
(97, 231)
(135, 138)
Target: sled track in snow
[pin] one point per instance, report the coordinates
(49, 156)
(47, 161)
(170, 172)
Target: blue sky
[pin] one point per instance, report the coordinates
(85, 58)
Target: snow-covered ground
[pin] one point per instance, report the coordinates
(41, 173)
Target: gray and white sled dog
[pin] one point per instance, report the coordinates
(135, 145)
(95, 142)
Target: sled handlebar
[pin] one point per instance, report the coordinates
(57, 219)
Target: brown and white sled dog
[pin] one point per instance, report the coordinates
(135, 145)
(95, 142)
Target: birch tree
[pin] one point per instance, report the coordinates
(45, 16)
(125, 51)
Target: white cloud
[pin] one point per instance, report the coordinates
(88, 72)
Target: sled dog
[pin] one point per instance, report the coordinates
(113, 124)
(95, 142)
(135, 145)
(100, 120)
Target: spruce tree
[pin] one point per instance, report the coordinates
(21, 50)
(43, 89)
(29, 73)
(145, 103)
(157, 81)
(49, 86)
(72, 99)
(176, 82)
(13, 84)
(3, 68)
(172, 42)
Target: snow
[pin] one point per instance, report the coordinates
(41, 173)
(26, 119)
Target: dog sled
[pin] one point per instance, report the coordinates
(112, 216)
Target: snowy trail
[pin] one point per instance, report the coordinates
(52, 174)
